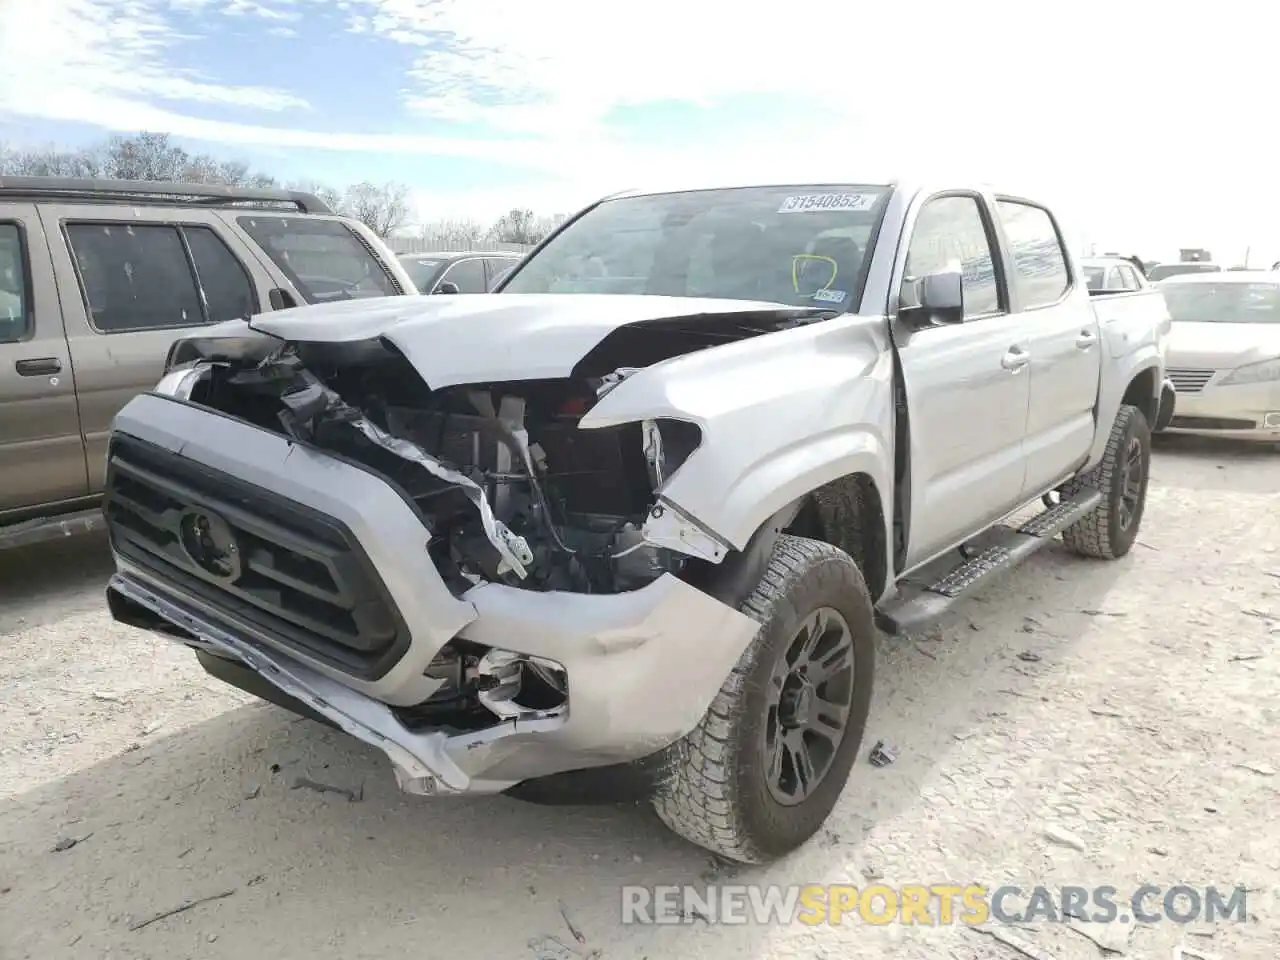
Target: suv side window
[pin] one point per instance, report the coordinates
(1129, 278)
(134, 276)
(953, 230)
(224, 282)
(323, 259)
(15, 304)
(1040, 263)
(497, 266)
(468, 275)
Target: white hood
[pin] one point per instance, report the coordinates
(1222, 346)
(481, 338)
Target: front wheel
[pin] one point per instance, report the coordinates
(1109, 530)
(762, 771)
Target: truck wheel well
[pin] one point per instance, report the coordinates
(847, 513)
(1144, 394)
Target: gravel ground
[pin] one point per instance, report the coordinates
(1130, 704)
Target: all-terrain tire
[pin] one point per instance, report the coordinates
(716, 794)
(1102, 533)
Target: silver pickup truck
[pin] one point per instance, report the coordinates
(630, 523)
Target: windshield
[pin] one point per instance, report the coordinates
(421, 270)
(1223, 302)
(1162, 270)
(1094, 276)
(790, 245)
(323, 259)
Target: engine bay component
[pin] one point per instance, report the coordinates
(509, 488)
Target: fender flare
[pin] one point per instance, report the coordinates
(1112, 392)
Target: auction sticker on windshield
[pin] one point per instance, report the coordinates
(820, 202)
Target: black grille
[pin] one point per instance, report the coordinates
(1190, 379)
(1212, 423)
(299, 576)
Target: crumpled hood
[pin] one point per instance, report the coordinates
(479, 338)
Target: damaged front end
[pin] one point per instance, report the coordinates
(508, 487)
(483, 579)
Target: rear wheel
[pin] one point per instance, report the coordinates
(762, 771)
(1109, 530)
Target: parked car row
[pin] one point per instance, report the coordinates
(452, 273)
(1223, 350)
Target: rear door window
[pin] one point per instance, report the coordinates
(1040, 262)
(15, 303)
(228, 291)
(468, 275)
(323, 259)
(134, 276)
(496, 267)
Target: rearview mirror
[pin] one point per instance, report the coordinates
(934, 298)
(447, 287)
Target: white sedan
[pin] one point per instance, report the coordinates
(1224, 353)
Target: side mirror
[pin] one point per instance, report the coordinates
(933, 299)
(280, 299)
(447, 287)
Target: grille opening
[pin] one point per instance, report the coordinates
(1190, 379)
(299, 578)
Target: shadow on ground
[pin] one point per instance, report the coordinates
(216, 807)
(43, 583)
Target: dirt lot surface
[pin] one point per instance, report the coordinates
(1132, 705)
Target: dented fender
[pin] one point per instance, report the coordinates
(780, 416)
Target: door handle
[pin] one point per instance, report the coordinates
(1086, 339)
(1015, 359)
(42, 367)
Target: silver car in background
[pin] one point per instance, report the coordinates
(1224, 353)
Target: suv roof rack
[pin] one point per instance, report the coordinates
(153, 191)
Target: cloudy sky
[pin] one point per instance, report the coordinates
(1150, 125)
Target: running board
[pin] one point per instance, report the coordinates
(51, 528)
(923, 598)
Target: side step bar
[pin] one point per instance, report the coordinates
(52, 528)
(918, 603)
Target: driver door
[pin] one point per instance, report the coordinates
(967, 384)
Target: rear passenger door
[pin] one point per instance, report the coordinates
(41, 450)
(133, 281)
(1061, 326)
(967, 386)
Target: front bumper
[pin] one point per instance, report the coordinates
(642, 667)
(1247, 412)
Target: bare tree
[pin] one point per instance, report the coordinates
(452, 234)
(383, 209)
(515, 226)
(147, 156)
(332, 197)
(50, 162)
